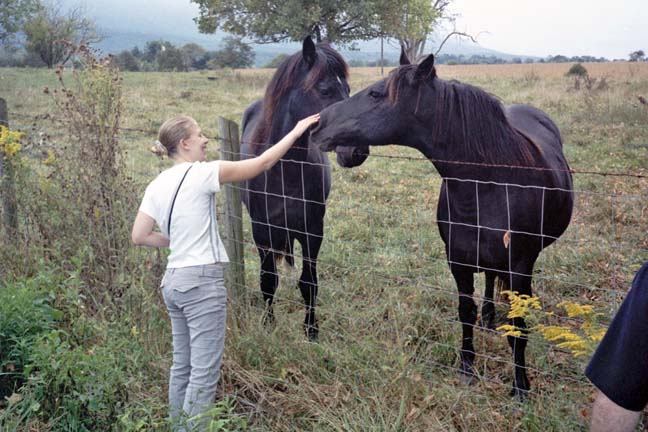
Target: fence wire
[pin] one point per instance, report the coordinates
(399, 249)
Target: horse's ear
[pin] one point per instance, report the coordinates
(425, 70)
(404, 60)
(308, 51)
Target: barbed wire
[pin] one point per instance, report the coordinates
(383, 156)
(419, 280)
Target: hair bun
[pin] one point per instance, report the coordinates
(159, 149)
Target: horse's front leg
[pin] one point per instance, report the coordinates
(269, 280)
(464, 278)
(308, 283)
(487, 319)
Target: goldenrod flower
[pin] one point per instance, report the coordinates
(9, 141)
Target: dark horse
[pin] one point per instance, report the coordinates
(506, 191)
(287, 203)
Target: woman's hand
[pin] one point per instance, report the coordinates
(303, 124)
(250, 168)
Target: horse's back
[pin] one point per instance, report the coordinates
(535, 124)
(537, 127)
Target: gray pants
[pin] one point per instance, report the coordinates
(196, 299)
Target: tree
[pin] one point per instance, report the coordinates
(170, 59)
(339, 21)
(54, 34)
(127, 61)
(192, 54)
(276, 61)
(235, 54)
(153, 48)
(410, 22)
(637, 56)
(13, 15)
(137, 53)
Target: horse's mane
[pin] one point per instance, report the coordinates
(466, 117)
(327, 61)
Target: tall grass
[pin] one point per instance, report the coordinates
(389, 334)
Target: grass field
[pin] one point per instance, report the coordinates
(389, 332)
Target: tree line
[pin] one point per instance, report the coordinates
(164, 56)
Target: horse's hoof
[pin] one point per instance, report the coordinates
(521, 395)
(467, 374)
(312, 333)
(467, 379)
(268, 321)
(487, 324)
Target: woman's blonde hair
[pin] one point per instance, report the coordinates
(171, 133)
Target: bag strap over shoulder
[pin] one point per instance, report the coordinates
(175, 195)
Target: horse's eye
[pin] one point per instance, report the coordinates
(325, 92)
(375, 94)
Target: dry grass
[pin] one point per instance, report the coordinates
(387, 303)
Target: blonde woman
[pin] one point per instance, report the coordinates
(180, 201)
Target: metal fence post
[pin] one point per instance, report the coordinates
(230, 150)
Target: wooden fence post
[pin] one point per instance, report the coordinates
(8, 188)
(230, 150)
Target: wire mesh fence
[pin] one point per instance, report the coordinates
(383, 269)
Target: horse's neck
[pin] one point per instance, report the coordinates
(282, 124)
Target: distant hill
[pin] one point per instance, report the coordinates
(140, 21)
(118, 40)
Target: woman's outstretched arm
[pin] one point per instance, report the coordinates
(246, 169)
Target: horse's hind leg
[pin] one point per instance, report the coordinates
(308, 282)
(487, 319)
(269, 280)
(467, 314)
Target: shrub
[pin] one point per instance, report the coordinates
(76, 206)
(26, 315)
(577, 69)
(73, 369)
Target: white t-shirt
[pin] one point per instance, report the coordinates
(194, 230)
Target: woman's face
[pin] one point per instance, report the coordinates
(196, 145)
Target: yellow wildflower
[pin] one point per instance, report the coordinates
(521, 304)
(9, 141)
(51, 157)
(575, 309)
(510, 330)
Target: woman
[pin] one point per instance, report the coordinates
(181, 202)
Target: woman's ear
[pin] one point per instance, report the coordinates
(183, 144)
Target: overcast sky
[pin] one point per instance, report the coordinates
(605, 28)
(611, 29)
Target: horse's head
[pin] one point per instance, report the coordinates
(304, 84)
(389, 111)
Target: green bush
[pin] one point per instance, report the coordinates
(81, 387)
(26, 315)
